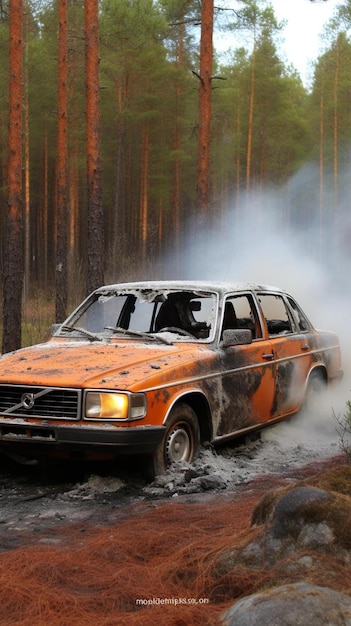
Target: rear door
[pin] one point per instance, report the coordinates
(289, 334)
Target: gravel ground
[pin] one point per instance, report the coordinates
(36, 501)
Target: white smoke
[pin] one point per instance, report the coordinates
(294, 240)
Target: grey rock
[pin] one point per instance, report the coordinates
(213, 482)
(291, 605)
(290, 514)
(299, 521)
(316, 536)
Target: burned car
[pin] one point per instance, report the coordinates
(157, 368)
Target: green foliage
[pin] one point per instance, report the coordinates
(348, 415)
(280, 105)
(344, 430)
(331, 94)
(149, 115)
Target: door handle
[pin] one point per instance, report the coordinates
(268, 356)
(305, 346)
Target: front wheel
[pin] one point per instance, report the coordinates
(181, 440)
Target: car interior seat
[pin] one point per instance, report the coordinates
(168, 316)
(229, 318)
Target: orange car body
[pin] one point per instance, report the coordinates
(241, 356)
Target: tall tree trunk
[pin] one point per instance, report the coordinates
(160, 230)
(203, 162)
(118, 244)
(144, 190)
(27, 225)
(321, 172)
(13, 257)
(176, 183)
(238, 158)
(250, 128)
(61, 171)
(336, 125)
(95, 273)
(73, 201)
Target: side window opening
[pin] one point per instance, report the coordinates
(300, 319)
(240, 312)
(276, 314)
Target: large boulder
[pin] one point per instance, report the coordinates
(299, 533)
(291, 605)
(303, 519)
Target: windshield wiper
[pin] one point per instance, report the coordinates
(86, 333)
(138, 333)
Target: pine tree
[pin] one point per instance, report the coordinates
(13, 258)
(95, 216)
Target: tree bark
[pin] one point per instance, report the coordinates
(238, 158)
(176, 183)
(13, 258)
(336, 124)
(95, 274)
(144, 190)
(61, 172)
(251, 114)
(321, 172)
(27, 224)
(206, 51)
(118, 244)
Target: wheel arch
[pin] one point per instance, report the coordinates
(316, 382)
(318, 370)
(200, 405)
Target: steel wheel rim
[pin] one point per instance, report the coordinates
(178, 446)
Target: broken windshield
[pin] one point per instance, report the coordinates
(187, 315)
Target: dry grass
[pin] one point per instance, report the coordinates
(38, 315)
(161, 554)
(37, 318)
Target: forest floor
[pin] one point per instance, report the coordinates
(36, 499)
(99, 544)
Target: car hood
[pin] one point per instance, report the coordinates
(124, 364)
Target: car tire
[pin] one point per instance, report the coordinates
(181, 440)
(316, 386)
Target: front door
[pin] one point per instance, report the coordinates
(248, 371)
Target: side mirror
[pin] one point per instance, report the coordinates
(236, 337)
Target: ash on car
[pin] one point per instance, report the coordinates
(158, 368)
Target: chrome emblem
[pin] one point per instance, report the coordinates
(27, 400)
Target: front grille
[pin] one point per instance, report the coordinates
(41, 402)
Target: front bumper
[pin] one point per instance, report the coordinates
(47, 440)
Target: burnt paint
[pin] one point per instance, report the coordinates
(243, 397)
(235, 398)
(284, 382)
(238, 411)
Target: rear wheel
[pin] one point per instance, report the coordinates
(181, 440)
(316, 387)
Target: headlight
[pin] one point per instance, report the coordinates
(114, 406)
